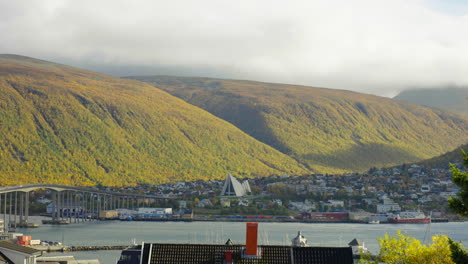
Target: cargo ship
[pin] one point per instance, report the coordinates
(410, 217)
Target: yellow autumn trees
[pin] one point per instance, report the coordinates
(401, 249)
(332, 131)
(65, 125)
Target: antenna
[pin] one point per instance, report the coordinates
(427, 233)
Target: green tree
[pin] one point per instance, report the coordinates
(460, 203)
(459, 253)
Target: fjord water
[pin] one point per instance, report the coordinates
(121, 233)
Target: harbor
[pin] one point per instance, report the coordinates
(118, 233)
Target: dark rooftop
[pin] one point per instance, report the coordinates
(4, 259)
(15, 247)
(207, 254)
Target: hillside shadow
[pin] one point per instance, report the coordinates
(361, 157)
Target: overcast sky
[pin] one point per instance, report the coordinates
(371, 46)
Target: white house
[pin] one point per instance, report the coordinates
(388, 206)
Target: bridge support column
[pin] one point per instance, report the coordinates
(59, 206)
(92, 204)
(85, 207)
(54, 208)
(26, 210)
(76, 206)
(21, 208)
(9, 214)
(16, 208)
(70, 206)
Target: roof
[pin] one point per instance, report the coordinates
(355, 242)
(18, 248)
(232, 187)
(207, 254)
(4, 259)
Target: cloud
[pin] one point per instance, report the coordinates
(372, 46)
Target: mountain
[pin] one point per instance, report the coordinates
(328, 130)
(453, 99)
(446, 158)
(60, 124)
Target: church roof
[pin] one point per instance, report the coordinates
(232, 187)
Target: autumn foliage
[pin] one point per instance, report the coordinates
(64, 125)
(327, 130)
(401, 249)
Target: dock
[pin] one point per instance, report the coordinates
(62, 248)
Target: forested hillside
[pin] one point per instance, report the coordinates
(64, 125)
(328, 130)
(446, 158)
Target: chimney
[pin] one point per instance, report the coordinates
(228, 258)
(251, 239)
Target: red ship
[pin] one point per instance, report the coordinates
(409, 217)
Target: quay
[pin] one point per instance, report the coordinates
(62, 248)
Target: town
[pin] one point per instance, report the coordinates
(379, 191)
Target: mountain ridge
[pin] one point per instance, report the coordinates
(61, 124)
(329, 130)
(452, 98)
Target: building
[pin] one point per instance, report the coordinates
(182, 204)
(232, 187)
(2, 226)
(16, 254)
(357, 246)
(388, 206)
(299, 240)
(225, 202)
(155, 253)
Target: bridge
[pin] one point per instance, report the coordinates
(70, 203)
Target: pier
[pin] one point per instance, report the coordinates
(62, 248)
(72, 204)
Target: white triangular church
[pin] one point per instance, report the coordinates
(232, 187)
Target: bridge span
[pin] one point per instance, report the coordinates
(69, 203)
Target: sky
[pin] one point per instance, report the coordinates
(371, 46)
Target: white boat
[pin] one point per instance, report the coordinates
(374, 222)
(410, 217)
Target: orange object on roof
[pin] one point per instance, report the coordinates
(251, 242)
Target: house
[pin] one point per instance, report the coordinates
(243, 202)
(225, 202)
(388, 206)
(357, 247)
(251, 252)
(204, 203)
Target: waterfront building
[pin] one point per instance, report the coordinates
(387, 206)
(2, 226)
(233, 187)
(16, 254)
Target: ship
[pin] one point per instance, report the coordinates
(410, 217)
